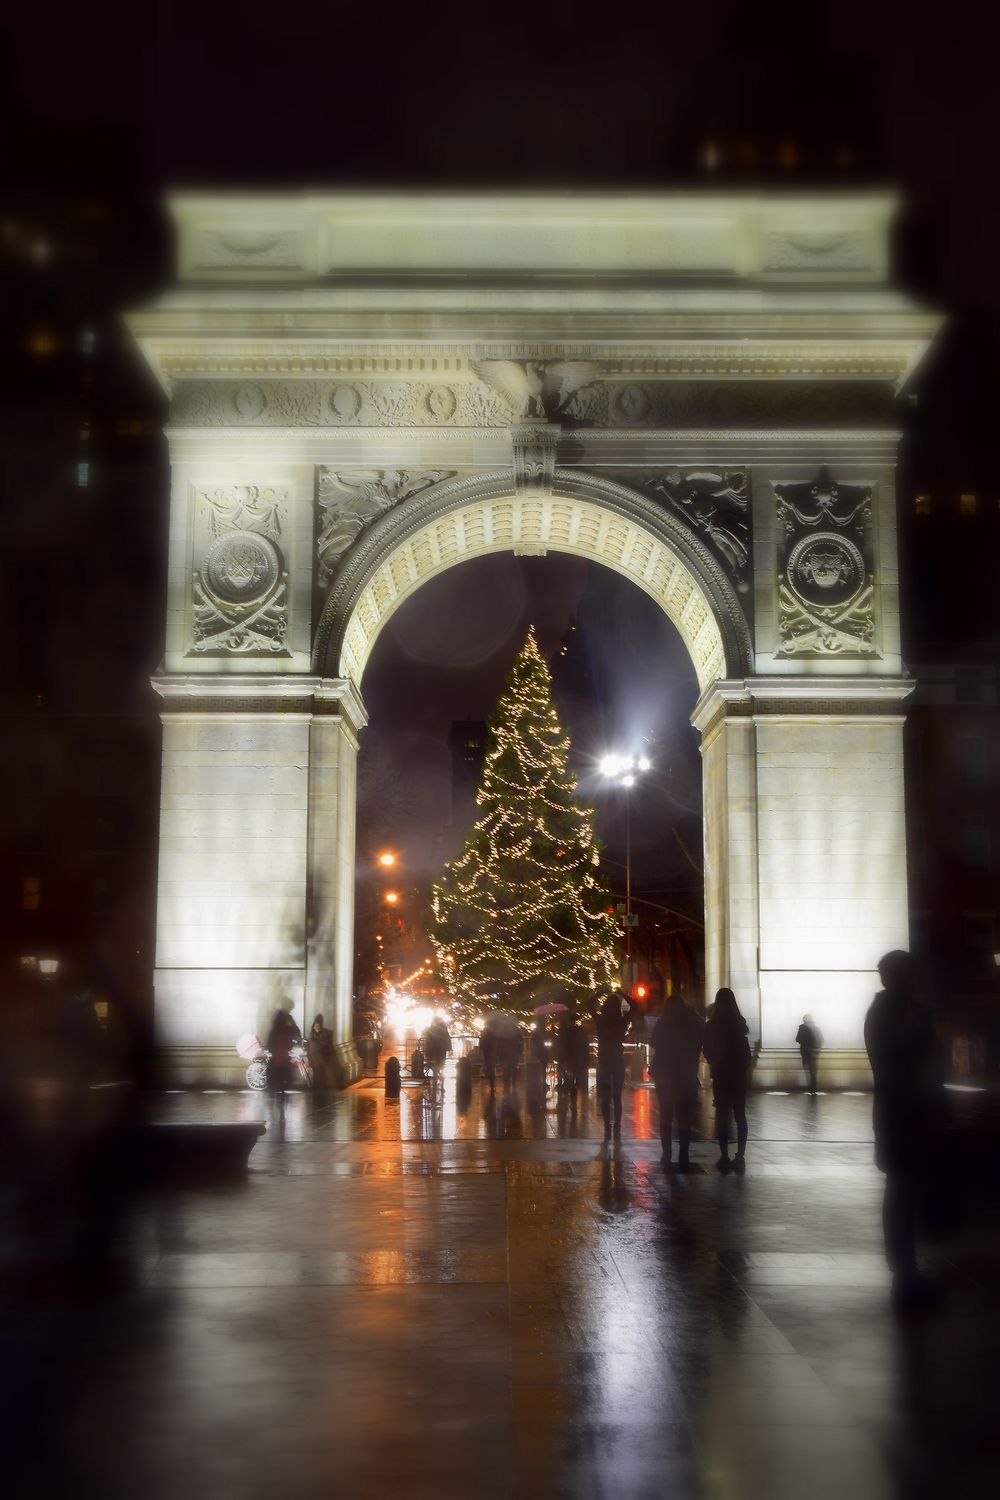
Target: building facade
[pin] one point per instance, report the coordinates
(698, 392)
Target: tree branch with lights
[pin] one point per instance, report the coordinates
(522, 914)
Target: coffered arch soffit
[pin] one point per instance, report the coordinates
(586, 515)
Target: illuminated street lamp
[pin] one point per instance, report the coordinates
(387, 859)
(392, 897)
(624, 771)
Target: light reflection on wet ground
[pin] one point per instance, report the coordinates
(412, 1298)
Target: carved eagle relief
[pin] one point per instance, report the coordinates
(537, 389)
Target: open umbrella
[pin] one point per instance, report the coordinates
(551, 1009)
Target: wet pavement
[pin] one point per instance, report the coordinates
(408, 1298)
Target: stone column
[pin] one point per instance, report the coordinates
(804, 818)
(333, 760)
(231, 918)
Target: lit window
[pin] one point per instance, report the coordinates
(31, 893)
(967, 505)
(82, 476)
(923, 505)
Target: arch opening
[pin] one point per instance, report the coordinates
(586, 516)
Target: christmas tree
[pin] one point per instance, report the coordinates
(521, 914)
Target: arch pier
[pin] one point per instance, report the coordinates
(365, 390)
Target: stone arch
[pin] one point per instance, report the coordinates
(587, 515)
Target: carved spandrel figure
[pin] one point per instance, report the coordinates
(715, 503)
(350, 500)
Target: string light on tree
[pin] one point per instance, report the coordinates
(522, 910)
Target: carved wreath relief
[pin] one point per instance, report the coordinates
(240, 592)
(350, 499)
(826, 586)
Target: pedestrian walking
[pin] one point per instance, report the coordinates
(727, 1048)
(908, 1115)
(809, 1040)
(612, 1019)
(436, 1046)
(676, 1043)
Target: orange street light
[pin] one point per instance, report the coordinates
(387, 859)
(392, 897)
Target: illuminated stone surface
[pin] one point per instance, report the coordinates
(695, 391)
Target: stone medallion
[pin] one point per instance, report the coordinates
(441, 402)
(345, 402)
(634, 403)
(250, 401)
(826, 569)
(242, 567)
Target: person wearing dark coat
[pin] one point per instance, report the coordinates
(727, 1049)
(282, 1037)
(319, 1047)
(908, 1114)
(809, 1040)
(612, 1021)
(676, 1043)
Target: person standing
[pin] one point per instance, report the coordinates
(727, 1048)
(612, 1021)
(676, 1043)
(908, 1114)
(282, 1037)
(319, 1048)
(809, 1040)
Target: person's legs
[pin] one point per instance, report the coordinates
(604, 1096)
(618, 1079)
(685, 1116)
(666, 1105)
(739, 1102)
(722, 1122)
(899, 1225)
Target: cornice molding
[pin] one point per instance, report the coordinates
(751, 698)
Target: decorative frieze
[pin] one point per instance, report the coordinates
(826, 583)
(337, 403)
(574, 392)
(239, 594)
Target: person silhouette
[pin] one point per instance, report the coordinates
(908, 1113)
(612, 1021)
(809, 1040)
(676, 1043)
(282, 1037)
(727, 1049)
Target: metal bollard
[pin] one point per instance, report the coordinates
(392, 1077)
